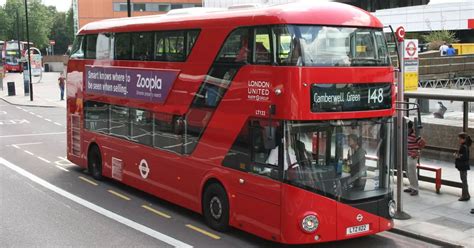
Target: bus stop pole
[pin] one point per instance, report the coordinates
(401, 157)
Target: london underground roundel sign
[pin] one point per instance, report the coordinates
(400, 33)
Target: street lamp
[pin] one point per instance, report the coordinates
(28, 49)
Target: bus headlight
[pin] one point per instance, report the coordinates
(310, 223)
(392, 208)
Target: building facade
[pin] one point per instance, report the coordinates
(369, 5)
(93, 10)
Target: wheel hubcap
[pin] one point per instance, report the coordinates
(215, 206)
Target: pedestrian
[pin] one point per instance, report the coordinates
(62, 82)
(451, 51)
(462, 163)
(413, 153)
(443, 49)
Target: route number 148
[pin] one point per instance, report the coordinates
(375, 95)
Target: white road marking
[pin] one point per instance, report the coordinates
(45, 160)
(59, 124)
(3, 112)
(61, 168)
(24, 110)
(39, 116)
(130, 223)
(16, 146)
(47, 120)
(30, 134)
(29, 152)
(26, 144)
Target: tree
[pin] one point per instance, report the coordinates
(437, 38)
(61, 33)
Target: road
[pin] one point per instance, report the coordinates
(47, 201)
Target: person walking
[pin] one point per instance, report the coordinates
(412, 159)
(62, 82)
(462, 163)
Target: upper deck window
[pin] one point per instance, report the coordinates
(331, 46)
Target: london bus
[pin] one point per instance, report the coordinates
(274, 120)
(12, 56)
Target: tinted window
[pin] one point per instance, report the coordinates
(96, 116)
(142, 126)
(122, 46)
(119, 121)
(287, 49)
(262, 46)
(215, 85)
(77, 51)
(105, 44)
(91, 43)
(236, 48)
(192, 37)
(170, 46)
(168, 134)
(142, 46)
(238, 157)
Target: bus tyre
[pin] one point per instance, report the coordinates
(94, 162)
(216, 207)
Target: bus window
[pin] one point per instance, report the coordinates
(262, 48)
(77, 51)
(170, 46)
(254, 151)
(236, 48)
(288, 51)
(238, 156)
(96, 116)
(168, 132)
(142, 46)
(192, 37)
(119, 121)
(104, 48)
(142, 126)
(91, 44)
(266, 143)
(122, 46)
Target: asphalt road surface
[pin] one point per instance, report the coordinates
(45, 201)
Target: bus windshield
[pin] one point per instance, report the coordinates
(305, 45)
(347, 160)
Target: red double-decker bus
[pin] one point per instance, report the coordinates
(275, 120)
(12, 55)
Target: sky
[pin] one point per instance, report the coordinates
(61, 5)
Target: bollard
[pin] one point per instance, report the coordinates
(11, 88)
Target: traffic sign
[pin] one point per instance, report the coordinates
(400, 33)
(52, 42)
(411, 49)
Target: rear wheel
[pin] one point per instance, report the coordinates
(94, 162)
(216, 207)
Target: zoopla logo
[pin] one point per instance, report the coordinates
(149, 83)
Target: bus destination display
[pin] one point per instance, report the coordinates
(350, 97)
(144, 84)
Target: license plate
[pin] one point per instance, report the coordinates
(357, 229)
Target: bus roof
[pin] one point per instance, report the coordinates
(328, 13)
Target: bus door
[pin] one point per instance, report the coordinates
(258, 188)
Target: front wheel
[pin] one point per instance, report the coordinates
(216, 207)
(94, 162)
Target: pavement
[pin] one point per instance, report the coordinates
(437, 218)
(46, 91)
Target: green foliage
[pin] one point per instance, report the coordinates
(45, 23)
(437, 38)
